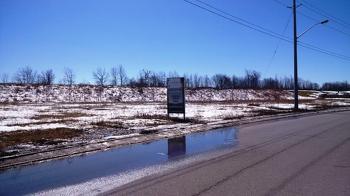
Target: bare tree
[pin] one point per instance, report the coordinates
(114, 76)
(68, 76)
(4, 78)
(222, 81)
(336, 86)
(69, 79)
(122, 75)
(207, 81)
(252, 79)
(25, 75)
(101, 76)
(46, 77)
(145, 78)
(118, 75)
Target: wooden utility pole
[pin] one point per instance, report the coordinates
(295, 41)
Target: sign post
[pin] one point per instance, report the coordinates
(176, 95)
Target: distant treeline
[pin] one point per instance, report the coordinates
(117, 76)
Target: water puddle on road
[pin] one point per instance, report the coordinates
(75, 170)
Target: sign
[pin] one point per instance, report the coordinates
(176, 95)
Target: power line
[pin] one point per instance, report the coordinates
(314, 19)
(324, 51)
(321, 12)
(241, 19)
(279, 42)
(281, 3)
(241, 22)
(325, 13)
(327, 26)
(265, 31)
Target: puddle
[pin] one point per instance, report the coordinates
(75, 170)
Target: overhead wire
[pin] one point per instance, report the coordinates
(314, 19)
(327, 26)
(260, 29)
(321, 12)
(239, 21)
(278, 43)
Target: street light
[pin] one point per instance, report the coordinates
(295, 40)
(323, 22)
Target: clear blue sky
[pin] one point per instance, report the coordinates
(166, 35)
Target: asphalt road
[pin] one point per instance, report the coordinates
(299, 156)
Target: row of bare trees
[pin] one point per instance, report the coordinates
(251, 80)
(336, 86)
(117, 76)
(27, 75)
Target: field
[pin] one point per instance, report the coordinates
(35, 118)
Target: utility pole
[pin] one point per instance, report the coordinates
(295, 40)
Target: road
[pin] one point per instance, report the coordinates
(297, 156)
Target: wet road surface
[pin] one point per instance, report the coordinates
(78, 170)
(298, 156)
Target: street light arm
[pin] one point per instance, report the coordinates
(308, 30)
(323, 22)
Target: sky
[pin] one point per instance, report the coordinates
(170, 35)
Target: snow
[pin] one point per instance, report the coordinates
(290, 106)
(31, 127)
(339, 103)
(90, 93)
(120, 136)
(134, 116)
(121, 112)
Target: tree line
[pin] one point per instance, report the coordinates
(117, 76)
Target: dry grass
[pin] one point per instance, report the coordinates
(258, 113)
(165, 117)
(37, 137)
(233, 117)
(151, 116)
(47, 116)
(276, 108)
(108, 124)
(63, 115)
(187, 120)
(335, 96)
(270, 112)
(72, 114)
(254, 104)
(325, 106)
(63, 121)
(305, 93)
(5, 103)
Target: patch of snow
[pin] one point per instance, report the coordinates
(120, 136)
(340, 103)
(290, 106)
(31, 127)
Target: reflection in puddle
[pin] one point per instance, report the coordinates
(176, 146)
(83, 168)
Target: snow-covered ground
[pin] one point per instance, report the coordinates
(124, 115)
(91, 93)
(115, 112)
